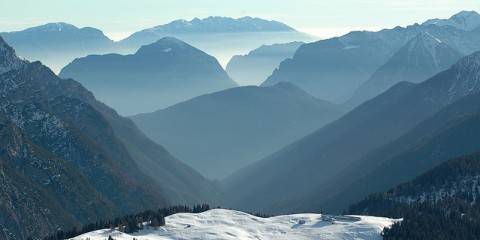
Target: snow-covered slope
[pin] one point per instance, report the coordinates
(228, 224)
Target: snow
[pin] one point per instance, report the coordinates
(167, 50)
(229, 224)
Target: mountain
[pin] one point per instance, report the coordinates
(464, 20)
(57, 44)
(67, 159)
(236, 36)
(421, 58)
(221, 132)
(316, 160)
(439, 204)
(156, 76)
(254, 67)
(333, 69)
(228, 224)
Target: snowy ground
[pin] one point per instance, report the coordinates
(227, 224)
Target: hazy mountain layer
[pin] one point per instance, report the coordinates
(254, 67)
(57, 44)
(221, 132)
(318, 158)
(156, 76)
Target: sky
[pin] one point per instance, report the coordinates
(119, 18)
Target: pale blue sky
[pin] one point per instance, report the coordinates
(118, 18)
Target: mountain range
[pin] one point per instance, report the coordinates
(206, 25)
(465, 20)
(333, 69)
(67, 159)
(318, 160)
(221, 132)
(254, 67)
(156, 76)
(235, 35)
(57, 44)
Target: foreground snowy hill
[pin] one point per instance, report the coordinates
(228, 224)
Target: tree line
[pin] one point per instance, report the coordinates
(130, 223)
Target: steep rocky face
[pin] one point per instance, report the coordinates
(68, 159)
(421, 58)
(156, 76)
(50, 124)
(8, 58)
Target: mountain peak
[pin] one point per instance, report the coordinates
(464, 20)
(8, 58)
(53, 27)
(164, 45)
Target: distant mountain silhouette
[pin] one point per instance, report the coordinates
(258, 64)
(221, 132)
(318, 159)
(421, 58)
(156, 76)
(333, 69)
(207, 25)
(56, 44)
(68, 159)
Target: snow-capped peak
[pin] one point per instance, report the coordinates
(465, 20)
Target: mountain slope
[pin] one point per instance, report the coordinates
(439, 204)
(254, 67)
(319, 157)
(156, 76)
(65, 160)
(333, 69)
(421, 58)
(220, 132)
(228, 224)
(56, 44)
(447, 134)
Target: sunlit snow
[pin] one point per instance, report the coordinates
(228, 224)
